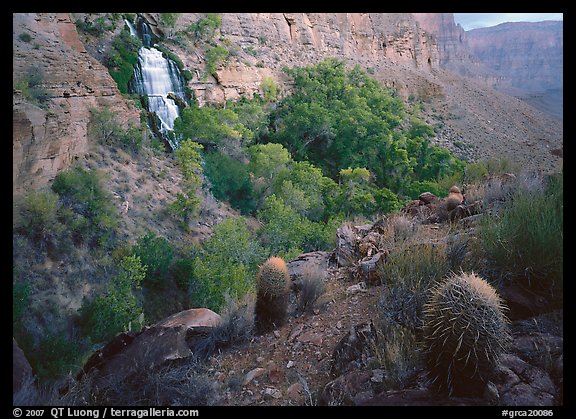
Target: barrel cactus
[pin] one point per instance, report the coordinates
(465, 331)
(273, 289)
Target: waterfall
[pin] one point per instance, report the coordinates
(157, 78)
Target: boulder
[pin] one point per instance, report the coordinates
(369, 267)
(307, 264)
(427, 198)
(453, 200)
(354, 348)
(522, 384)
(170, 339)
(345, 246)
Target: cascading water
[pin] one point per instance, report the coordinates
(157, 78)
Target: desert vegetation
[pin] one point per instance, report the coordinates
(340, 149)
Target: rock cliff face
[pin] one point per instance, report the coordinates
(529, 54)
(263, 43)
(453, 49)
(48, 140)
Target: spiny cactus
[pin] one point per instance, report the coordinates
(273, 289)
(465, 331)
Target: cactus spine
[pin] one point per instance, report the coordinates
(273, 289)
(465, 331)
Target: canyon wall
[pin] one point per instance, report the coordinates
(529, 54)
(261, 44)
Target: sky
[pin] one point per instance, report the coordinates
(470, 21)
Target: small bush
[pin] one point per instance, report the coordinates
(236, 327)
(214, 56)
(269, 89)
(20, 299)
(39, 215)
(56, 356)
(230, 181)
(87, 209)
(122, 59)
(226, 265)
(25, 37)
(31, 87)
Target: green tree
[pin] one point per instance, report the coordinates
(206, 26)
(338, 118)
(156, 253)
(209, 126)
(230, 180)
(214, 56)
(169, 20)
(358, 195)
(269, 89)
(187, 204)
(285, 232)
(226, 264)
(118, 309)
(39, 213)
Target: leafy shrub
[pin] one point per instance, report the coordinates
(105, 129)
(56, 356)
(285, 231)
(118, 309)
(87, 209)
(38, 213)
(525, 238)
(122, 58)
(20, 299)
(208, 125)
(156, 253)
(269, 89)
(230, 180)
(187, 204)
(31, 86)
(206, 26)
(25, 37)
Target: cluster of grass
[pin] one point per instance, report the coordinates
(408, 274)
(525, 238)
